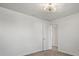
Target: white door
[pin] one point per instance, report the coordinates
(55, 36)
(45, 36)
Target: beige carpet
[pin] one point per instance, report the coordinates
(49, 53)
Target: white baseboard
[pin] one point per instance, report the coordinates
(67, 52)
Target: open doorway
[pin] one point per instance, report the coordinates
(50, 36)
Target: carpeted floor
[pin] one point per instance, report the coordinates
(49, 53)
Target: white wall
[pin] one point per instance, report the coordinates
(68, 34)
(19, 34)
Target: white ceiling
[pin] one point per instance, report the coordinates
(34, 9)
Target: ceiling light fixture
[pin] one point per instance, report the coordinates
(50, 7)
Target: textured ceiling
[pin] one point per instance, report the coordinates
(34, 9)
